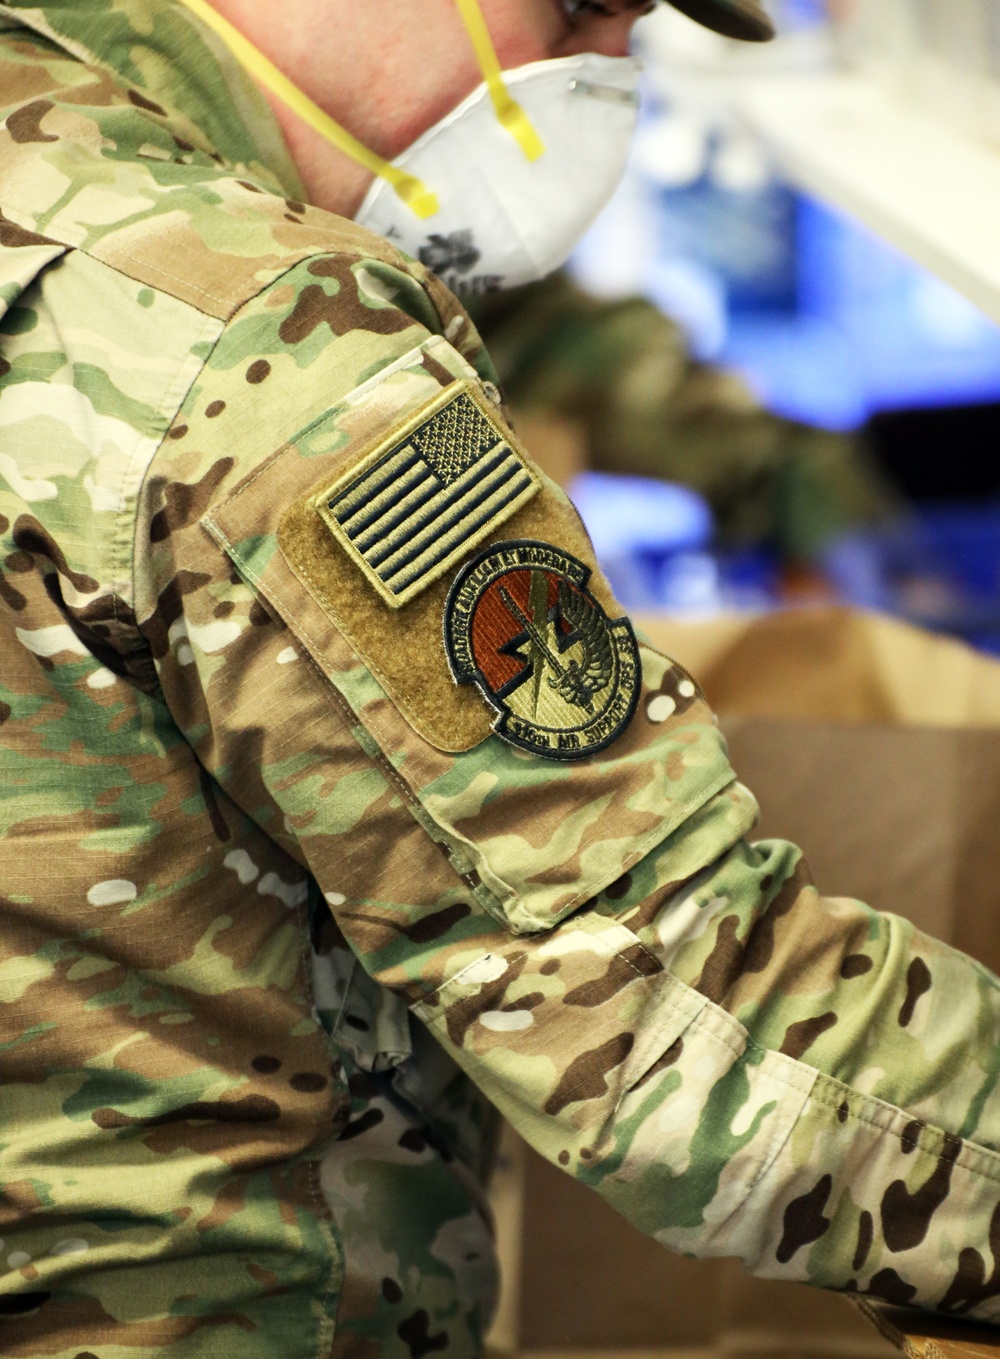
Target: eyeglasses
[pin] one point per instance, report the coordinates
(575, 10)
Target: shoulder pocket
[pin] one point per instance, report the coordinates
(354, 532)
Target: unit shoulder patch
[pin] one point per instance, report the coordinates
(521, 625)
(428, 494)
(289, 529)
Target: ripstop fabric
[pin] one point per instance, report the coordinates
(269, 955)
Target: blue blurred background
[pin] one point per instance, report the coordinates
(830, 326)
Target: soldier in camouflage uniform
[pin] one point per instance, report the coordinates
(227, 732)
(622, 371)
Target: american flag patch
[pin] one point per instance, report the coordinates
(428, 495)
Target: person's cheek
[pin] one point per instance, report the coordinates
(611, 37)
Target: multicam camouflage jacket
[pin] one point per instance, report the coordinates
(230, 726)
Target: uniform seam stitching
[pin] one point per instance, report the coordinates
(383, 736)
(265, 466)
(313, 645)
(410, 797)
(233, 304)
(331, 689)
(135, 259)
(644, 847)
(322, 1210)
(859, 1116)
(128, 546)
(803, 1079)
(821, 1091)
(382, 761)
(669, 1001)
(765, 1159)
(784, 1128)
(815, 1090)
(511, 900)
(433, 341)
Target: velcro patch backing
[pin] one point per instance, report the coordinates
(404, 648)
(315, 581)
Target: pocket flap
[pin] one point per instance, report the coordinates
(535, 837)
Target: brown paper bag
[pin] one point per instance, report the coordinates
(876, 747)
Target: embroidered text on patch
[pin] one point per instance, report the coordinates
(428, 494)
(562, 677)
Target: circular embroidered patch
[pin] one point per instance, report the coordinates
(522, 626)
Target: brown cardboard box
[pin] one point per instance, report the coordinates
(874, 746)
(877, 748)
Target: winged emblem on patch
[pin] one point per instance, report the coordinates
(577, 679)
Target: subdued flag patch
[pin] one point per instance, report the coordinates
(428, 494)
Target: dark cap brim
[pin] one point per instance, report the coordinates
(734, 18)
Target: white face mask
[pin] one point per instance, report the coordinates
(503, 219)
(499, 191)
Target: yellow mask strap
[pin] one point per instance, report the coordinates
(414, 193)
(421, 200)
(510, 113)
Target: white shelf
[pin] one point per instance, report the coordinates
(912, 179)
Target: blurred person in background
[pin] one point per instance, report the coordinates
(620, 374)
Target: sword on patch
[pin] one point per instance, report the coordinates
(562, 672)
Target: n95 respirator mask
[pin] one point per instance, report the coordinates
(501, 189)
(502, 219)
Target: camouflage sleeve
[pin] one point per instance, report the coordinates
(623, 371)
(674, 1016)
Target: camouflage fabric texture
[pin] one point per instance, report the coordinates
(268, 957)
(623, 372)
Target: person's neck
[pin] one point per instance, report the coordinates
(385, 78)
(333, 74)
(332, 180)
